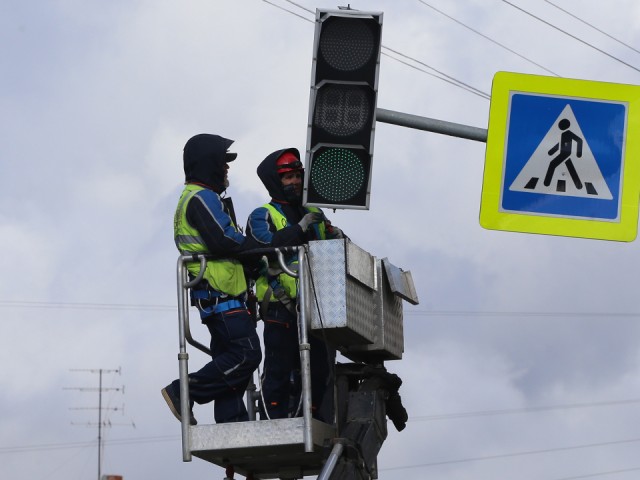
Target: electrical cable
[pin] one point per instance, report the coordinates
(572, 36)
(62, 446)
(592, 26)
(453, 80)
(300, 6)
(448, 79)
(484, 413)
(599, 474)
(330, 353)
(489, 38)
(83, 305)
(288, 11)
(472, 313)
(408, 312)
(514, 454)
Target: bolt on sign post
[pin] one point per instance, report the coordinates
(342, 109)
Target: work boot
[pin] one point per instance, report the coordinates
(173, 400)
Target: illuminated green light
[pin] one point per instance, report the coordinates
(337, 174)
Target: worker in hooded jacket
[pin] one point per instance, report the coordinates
(205, 223)
(280, 223)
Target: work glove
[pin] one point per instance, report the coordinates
(309, 219)
(333, 232)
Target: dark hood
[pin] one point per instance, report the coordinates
(269, 176)
(204, 160)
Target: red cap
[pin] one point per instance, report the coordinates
(288, 162)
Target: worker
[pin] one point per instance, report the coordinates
(280, 223)
(205, 223)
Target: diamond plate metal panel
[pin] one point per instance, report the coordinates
(353, 301)
(361, 265)
(388, 341)
(345, 305)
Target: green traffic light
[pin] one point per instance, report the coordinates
(337, 174)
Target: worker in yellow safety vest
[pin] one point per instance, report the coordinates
(205, 223)
(280, 223)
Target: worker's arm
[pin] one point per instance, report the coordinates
(206, 214)
(260, 227)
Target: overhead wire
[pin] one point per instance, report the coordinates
(92, 443)
(513, 313)
(289, 11)
(408, 312)
(488, 38)
(444, 77)
(600, 474)
(300, 6)
(573, 15)
(571, 35)
(484, 413)
(514, 454)
(83, 305)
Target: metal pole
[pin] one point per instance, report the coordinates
(99, 423)
(183, 358)
(305, 362)
(431, 125)
(331, 462)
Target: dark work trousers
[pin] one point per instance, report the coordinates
(282, 367)
(235, 348)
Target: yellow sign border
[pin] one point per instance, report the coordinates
(490, 215)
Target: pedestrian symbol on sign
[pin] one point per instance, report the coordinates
(563, 154)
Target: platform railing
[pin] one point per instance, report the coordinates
(185, 336)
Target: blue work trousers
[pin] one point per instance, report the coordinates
(236, 353)
(281, 377)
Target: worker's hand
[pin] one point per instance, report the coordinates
(309, 219)
(334, 232)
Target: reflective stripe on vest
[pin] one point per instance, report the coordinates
(224, 275)
(288, 282)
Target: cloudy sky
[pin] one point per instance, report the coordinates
(522, 357)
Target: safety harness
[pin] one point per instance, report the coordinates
(274, 275)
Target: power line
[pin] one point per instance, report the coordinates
(408, 312)
(488, 38)
(473, 313)
(514, 454)
(448, 78)
(572, 36)
(300, 6)
(63, 446)
(483, 413)
(592, 26)
(592, 475)
(452, 80)
(83, 305)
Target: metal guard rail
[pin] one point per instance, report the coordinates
(183, 285)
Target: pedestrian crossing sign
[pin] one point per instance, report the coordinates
(562, 158)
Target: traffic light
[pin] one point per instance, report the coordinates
(342, 109)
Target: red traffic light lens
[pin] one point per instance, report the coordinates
(355, 33)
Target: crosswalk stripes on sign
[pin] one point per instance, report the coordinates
(563, 164)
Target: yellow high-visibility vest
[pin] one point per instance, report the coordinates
(289, 283)
(224, 275)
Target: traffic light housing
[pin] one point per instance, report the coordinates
(342, 109)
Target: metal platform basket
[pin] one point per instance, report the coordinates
(355, 300)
